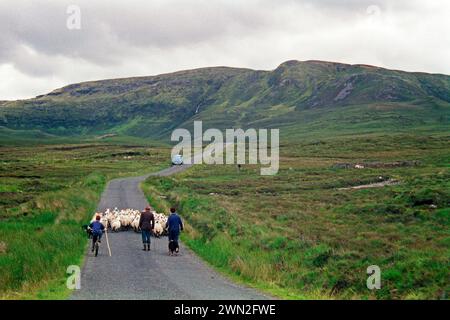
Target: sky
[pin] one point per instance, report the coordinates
(47, 44)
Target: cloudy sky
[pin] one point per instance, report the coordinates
(117, 38)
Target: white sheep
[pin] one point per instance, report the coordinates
(158, 229)
(115, 226)
(135, 224)
(119, 219)
(104, 221)
(125, 220)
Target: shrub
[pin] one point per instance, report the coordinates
(427, 196)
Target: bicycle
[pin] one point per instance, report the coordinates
(95, 244)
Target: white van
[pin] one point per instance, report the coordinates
(177, 159)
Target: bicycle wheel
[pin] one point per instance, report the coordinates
(96, 248)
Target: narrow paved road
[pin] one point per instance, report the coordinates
(131, 273)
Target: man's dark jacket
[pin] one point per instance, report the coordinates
(97, 227)
(147, 221)
(174, 223)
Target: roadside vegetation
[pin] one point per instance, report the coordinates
(299, 235)
(46, 193)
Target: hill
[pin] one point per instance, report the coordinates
(302, 97)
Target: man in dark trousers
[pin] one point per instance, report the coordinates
(174, 226)
(147, 224)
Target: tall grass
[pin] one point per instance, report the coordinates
(41, 245)
(298, 236)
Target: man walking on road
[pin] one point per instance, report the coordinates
(174, 225)
(147, 224)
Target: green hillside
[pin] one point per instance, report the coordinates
(303, 97)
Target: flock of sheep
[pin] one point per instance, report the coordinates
(124, 219)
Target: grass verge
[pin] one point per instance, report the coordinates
(298, 235)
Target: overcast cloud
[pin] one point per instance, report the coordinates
(118, 38)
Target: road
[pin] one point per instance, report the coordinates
(131, 273)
